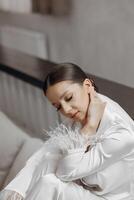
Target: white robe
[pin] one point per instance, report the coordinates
(106, 170)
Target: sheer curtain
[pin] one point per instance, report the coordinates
(21, 6)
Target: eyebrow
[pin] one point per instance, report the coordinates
(63, 94)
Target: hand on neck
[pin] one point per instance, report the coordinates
(94, 115)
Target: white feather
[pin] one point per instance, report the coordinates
(66, 138)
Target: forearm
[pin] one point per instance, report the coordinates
(103, 154)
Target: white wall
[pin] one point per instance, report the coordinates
(106, 38)
(99, 35)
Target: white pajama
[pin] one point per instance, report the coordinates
(49, 187)
(107, 169)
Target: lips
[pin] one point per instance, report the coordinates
(73, 116)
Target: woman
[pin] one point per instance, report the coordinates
(91, 157)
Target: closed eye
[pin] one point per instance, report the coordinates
(68, 99)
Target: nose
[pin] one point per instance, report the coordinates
(66, 109)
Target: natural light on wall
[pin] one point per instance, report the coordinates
(21, 6)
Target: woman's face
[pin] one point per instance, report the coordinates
(71, 99)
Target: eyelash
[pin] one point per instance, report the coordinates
(66, 100)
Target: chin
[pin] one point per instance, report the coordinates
(81, 120)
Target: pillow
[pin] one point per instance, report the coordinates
(11, 140)
(30, 146)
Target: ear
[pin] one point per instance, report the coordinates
(88, 85)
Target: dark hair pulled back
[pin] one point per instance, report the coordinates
(66, 72)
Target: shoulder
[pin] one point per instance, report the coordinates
(116, 110)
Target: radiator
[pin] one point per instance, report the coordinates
(26, 105)
(27, 41)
